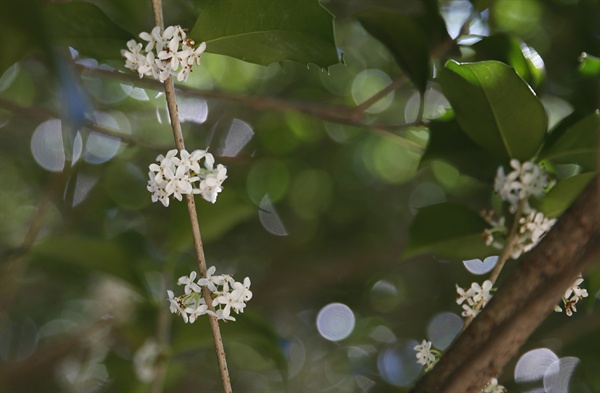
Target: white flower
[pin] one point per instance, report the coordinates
(493, 387)
(211, 281)
(572, 296)
(189, 283)
(525, 180)
(533, 227)
(144, 361)
(164, 54)
(175, 305)
(476, 297)
(425, 355)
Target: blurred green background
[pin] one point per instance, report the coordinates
(315, 209)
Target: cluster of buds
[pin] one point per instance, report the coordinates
(493, 387)
(572, 295)
(475, 298)
(227, 295)
(177, 176)
(526, 180)
(166, 53)
(498, 227)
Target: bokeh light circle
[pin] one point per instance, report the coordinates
(477, 266)
(335, 321)
(47, 146)
(443, 328)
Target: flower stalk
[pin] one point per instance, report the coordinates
(191, 205)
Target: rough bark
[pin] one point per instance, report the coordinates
(522, 302)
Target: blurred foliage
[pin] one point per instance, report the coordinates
(87, 258)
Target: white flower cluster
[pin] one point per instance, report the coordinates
(175, 176)
(525, 180)
(426, 356)
(226, 293)
(532, 228)
(476, 297)
(167, 53)
(493, 387)
(572, 295)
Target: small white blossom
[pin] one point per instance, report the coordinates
(189, 283)
(572, 296)
(425, 355)
(165, 54)
(525, 180)
(532, 228)
(475, 298)
(493, 387)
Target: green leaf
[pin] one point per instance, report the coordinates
(563, 194)
(448, 142)
(87, 253)
(404, 38)
(19, 36)
(514, 52)
(574, 143)
(86, 28)
(495, 108)
(449, 230)
(589, 65)
(267, 31)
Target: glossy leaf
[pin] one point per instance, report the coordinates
(448, 142)
(495, 108)
(449, 230)
(574, 143)
(267, 31)
(404, 38)
(86, 28)
(563, 194)
(514, 52)
(589, 65)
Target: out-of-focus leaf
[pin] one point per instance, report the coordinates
(574, 143)
(267, 31)
(404, 38)
(86, 28)
(495, 108)
(563, 194)
(514, 52)
(449, 230)
(20, 31)
(589, 65)
(87, 253)
(448, 142)
(215, 219)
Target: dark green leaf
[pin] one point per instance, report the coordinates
(514, 52)
(589, 65)
(19, 35)
(267, 31)
(86, 28)
(449, 230)
(563, 194)
(495, 108)
(404, 38)
(448, 142)
(574, 143)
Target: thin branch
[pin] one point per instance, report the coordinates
(339, 114)
(40, 113)
(359, 109)
(523, 301)
(179, 142)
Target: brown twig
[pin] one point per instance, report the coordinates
(179, 142)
